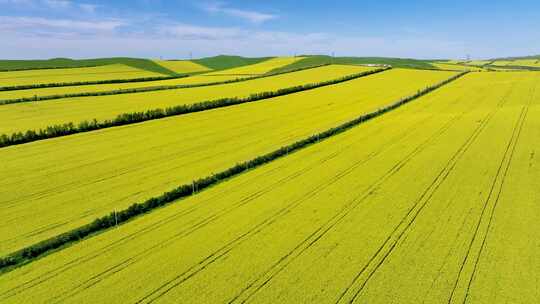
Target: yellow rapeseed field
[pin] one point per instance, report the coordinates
(434, 202)
(198, 79)
(455, 67)
(110, 169)
(260, 68)
(35, 115)
(106, 72)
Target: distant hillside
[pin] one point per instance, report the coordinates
(520, 58)
(215, 63)
(223, 62)
(143, 64)
(321, 59)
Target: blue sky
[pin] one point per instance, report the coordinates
(176, 29)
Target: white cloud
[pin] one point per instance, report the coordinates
(239, 37)
(193, 32)
(57, 4)
(251, 16)
(94, 38)
(27, 25)
(15, 1)
(88, 8)
(18, 3)
(64, 5)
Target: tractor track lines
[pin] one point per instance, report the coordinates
(491, 215)
(159, 236)
(337, 177)
(484, 207)
(151, 250)
(184, 276)
(501, 174)
(340, 215)
(425, 197)
(55, 275)
(281, 264)
(176, 281)
(143, 231)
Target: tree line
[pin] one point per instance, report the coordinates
(186, 190)
(93, 82)
(47, 68)
(135, 117)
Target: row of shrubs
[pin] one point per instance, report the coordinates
(135, 117)
(517, 67)
(127, 91)
(183, 191)
(47, 68)
(81, 83)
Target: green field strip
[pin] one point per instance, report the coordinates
(135, 108)
(186, 147)
(160, 255)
